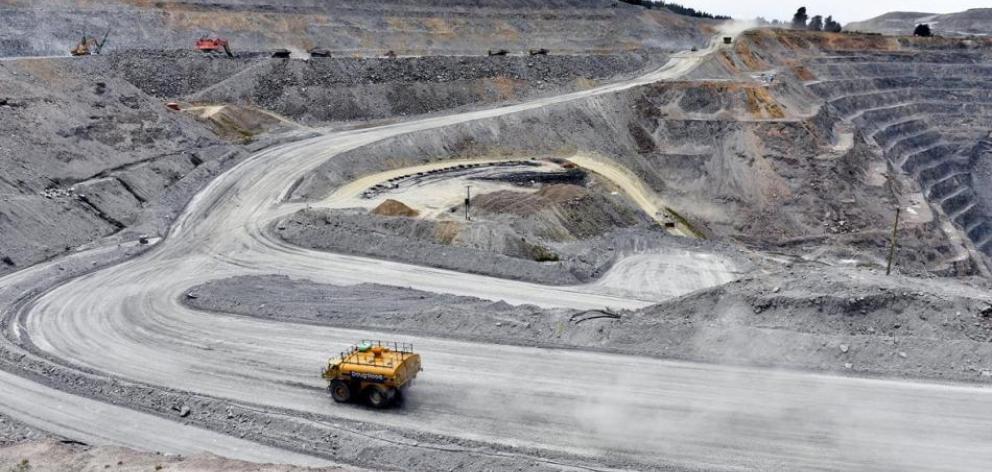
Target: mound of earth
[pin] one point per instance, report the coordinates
(526, 204)
(238, 123)
(392, 207)
(545, 233)
(846, 320)
(556, 213)
(437, 243)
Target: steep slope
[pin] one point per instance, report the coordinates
(84, 155)
(36, 27)
(922, 103)
(976, 21)
(735, 159)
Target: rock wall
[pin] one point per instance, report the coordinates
(340, 89)
(52, 27)
(732, 171)
(84, 155)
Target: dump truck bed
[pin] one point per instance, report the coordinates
(388, 366)
(388, 363)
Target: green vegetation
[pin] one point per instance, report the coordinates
(541, 254)
(832, 26)
(799, 19)
(816, 23)
(676, 8)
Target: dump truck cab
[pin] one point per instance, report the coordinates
(373, 371)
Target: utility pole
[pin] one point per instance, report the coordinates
(468, 199)
(892, 244)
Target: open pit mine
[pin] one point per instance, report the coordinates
(492, 235)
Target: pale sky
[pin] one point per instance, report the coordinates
(843, 11)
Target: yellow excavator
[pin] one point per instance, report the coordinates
(89, 45)
(374, 371)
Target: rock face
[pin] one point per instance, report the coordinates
(334, 89)
(52, 27)
(89, 149)
(924, 103)
(793, 147)
(976, 21)
(82, 155)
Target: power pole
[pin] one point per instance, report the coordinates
(892, 244)
(468, 198)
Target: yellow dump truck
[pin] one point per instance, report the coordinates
(373, 371)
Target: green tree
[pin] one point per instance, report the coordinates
(923, 30)
(831, 25)
(799, 19)
(815, 23)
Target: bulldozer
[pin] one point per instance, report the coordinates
(89, 45)
(376, 372)
(206, 44)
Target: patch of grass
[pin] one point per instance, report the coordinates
(541, 254)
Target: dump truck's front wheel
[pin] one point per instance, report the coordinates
(380, 397)
(340, 391)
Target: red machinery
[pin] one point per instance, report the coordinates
(206, 44)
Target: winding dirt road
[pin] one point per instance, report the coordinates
(590, 409)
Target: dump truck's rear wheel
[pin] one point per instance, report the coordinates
(380, 397)
(340, 391)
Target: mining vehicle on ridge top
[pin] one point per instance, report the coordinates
(374, 371)
(89, 45)
(206, 44)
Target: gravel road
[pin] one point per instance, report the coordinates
(104, 424)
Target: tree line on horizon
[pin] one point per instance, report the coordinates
(801, 20)
(676, 8)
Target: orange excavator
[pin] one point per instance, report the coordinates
(89, 45)
(206, 44)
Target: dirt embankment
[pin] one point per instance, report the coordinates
(53, 456)
(921, 104)
(525, 222)
(45, 27)
(84, 155)
(344, 88)
(14, 432)
(489, 248)
(825, 319)
(773, 183)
